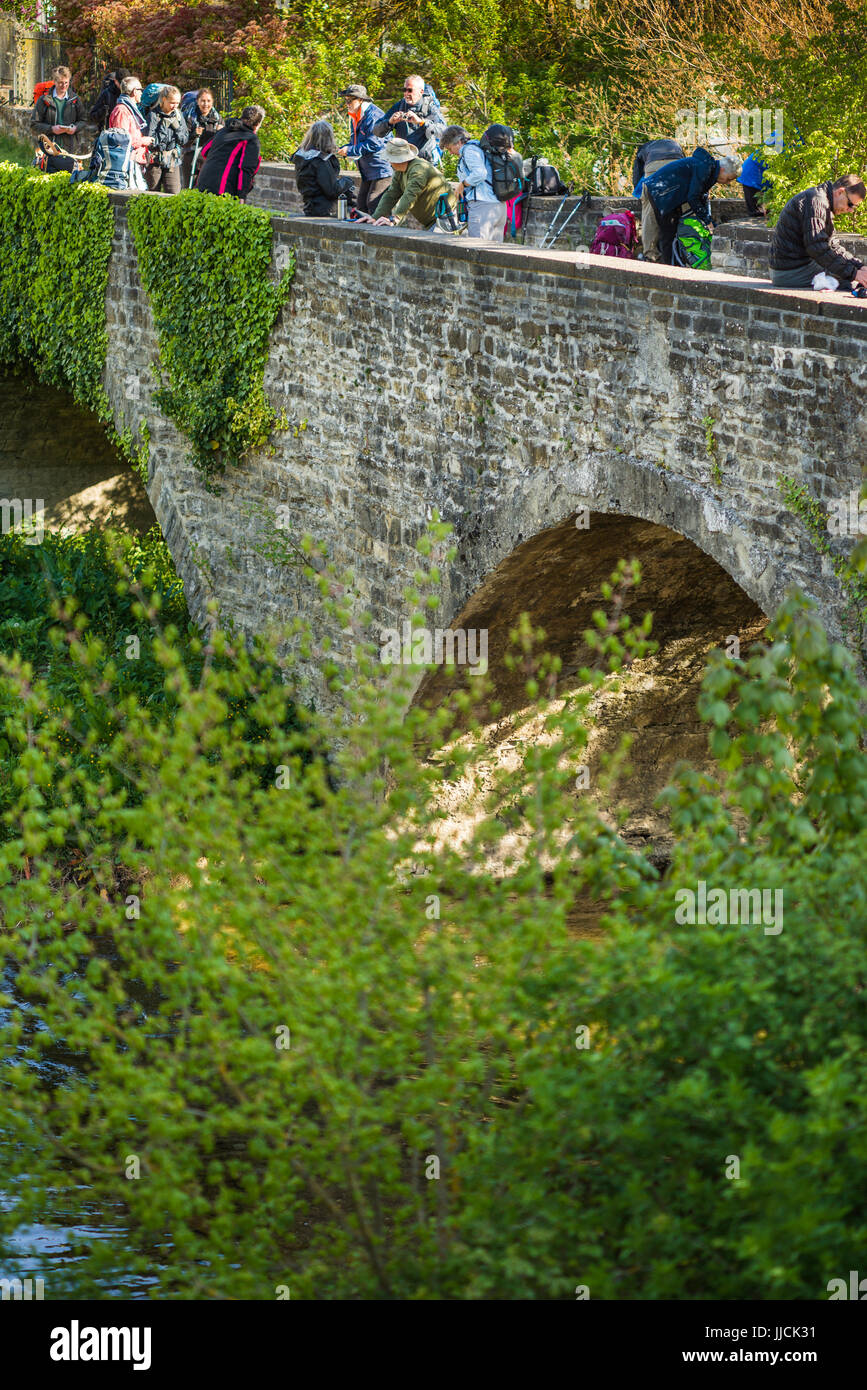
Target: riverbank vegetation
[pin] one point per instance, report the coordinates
(311, 1046)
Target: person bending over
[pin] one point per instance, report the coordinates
(415, 188)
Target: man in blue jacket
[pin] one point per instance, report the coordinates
(366, 147)
(686, 181)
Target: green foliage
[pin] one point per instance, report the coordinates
(849, 569)
(53, 275)
(205, 264)
(14, 151)
(255, 1000)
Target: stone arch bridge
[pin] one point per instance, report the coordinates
(507, 388)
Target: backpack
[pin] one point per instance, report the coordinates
(111, 161)
(545, 181)
(40, 90)
(507, 175)
(188, 104)
(616, 235)
(692, 245)
(150, 96)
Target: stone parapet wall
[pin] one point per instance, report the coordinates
(505, 388)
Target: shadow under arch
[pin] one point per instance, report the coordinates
(555, 576)
(54, 451)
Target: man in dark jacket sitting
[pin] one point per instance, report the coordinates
(804, 241)
(233, 157)
(649, 159)
(685, 181)
(416, 118)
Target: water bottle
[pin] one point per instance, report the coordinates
(341, 209)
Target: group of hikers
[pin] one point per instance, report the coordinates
(158, 139)
(150, 138)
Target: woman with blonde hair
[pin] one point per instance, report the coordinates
(169, 135)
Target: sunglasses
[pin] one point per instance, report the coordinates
(852, 206)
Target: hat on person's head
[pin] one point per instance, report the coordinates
(396, 151)
(355, 91)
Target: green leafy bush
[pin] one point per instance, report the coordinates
(205, 264)
(108, 592)
(53, 276)
(292, 1062)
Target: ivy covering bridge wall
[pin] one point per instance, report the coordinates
(56, 246)
(205, 264)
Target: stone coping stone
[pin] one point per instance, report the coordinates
(619, 274)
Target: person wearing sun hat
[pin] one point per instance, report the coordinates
(416, 187)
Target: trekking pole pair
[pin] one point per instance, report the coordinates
(579, 207)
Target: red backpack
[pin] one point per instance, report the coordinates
(40, 89)
(616, 235)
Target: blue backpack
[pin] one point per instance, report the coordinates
(150, 96)
(188, 104)
(111, 161)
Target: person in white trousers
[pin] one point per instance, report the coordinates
(486, 215)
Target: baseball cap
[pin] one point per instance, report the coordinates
(354, 90)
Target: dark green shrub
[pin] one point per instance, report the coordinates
(53, 276)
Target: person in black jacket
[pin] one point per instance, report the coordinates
(649, 159)
(233, 157)
(317, 172)
(169, 134)
(805, 242)
(108, 98)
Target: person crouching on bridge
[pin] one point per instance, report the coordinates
(805, 244)
(416, 188)
(233, 157)
(686, 181)
(317, 172)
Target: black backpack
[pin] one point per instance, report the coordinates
(507, 172)
(545, 182)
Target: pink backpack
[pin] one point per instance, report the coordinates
(616, 235)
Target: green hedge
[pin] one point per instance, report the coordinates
(53, 277)
(205, 264)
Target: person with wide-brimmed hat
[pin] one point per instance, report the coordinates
(365, 146)
(415, 188)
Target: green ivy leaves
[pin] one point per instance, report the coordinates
(205, 264)
(53, 277)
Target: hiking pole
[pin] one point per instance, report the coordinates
(557, 211)
(579, 207)
(195, 161)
